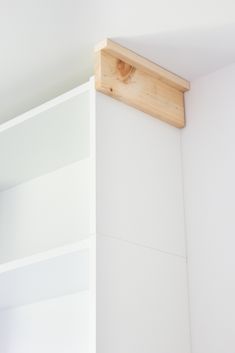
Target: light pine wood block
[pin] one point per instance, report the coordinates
(140, 83)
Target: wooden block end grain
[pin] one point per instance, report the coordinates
(134, 80)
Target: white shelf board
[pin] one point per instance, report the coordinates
(54, 273)
(46, 138)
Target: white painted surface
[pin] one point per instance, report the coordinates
(209, 173)
(50, 137)
(142, 302)
(54, 326)
(139, 180)
(49, 211)
(51, 274)
(46, 151)
(45, 52)
(141, 299)
(130, 190)
(189, 52)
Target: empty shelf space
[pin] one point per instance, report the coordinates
(47, 275)
(46, 138)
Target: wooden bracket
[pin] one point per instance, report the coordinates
(130, 78)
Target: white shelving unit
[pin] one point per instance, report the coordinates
(57, 272)
(91, 230)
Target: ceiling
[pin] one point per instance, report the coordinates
(47, 45)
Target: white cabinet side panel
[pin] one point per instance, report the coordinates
(142, 303)
(46, 212)
(54, 326)
(139, 181)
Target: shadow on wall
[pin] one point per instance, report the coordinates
(191, 52)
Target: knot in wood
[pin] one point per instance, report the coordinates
(124, 70)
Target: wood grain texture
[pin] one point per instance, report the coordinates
(130, 78)
(143, 64)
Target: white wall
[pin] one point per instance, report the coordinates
(209, 176)
(46, 56)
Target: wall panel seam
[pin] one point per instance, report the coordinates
(143, 246)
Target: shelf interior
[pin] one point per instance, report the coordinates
(56, 325)
(48, 275)
(45, 139)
